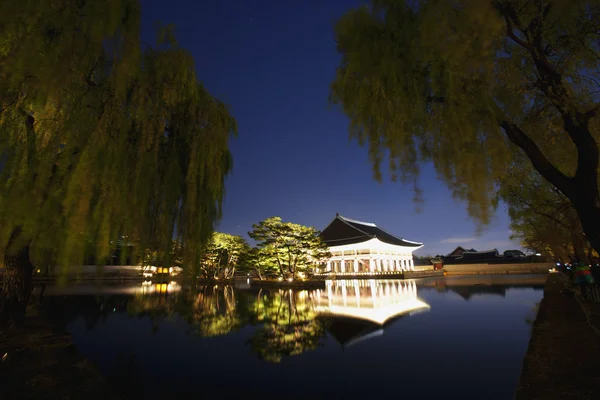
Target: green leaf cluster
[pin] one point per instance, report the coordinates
(289, 247)
(103, 136)
(459, 84)
(222, 255)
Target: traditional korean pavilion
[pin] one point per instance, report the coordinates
(363, 248)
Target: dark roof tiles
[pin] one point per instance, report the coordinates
(343, 231)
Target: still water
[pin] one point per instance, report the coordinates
(451, 337)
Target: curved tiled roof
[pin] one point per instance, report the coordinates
(342, 231)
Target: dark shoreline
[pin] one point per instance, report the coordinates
(43, 363)
(563, 356)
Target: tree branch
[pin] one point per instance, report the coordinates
(537, 158)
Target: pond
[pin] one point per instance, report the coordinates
(456, 337)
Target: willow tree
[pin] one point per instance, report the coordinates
(468, 84)
(100, 137)
(542, 218)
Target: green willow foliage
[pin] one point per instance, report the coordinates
(440, 80)
(102, 136)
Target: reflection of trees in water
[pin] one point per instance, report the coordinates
(209, 311)
(286, 322)
(155, 307)
(289, 325)
(91, 309)
(214, 312)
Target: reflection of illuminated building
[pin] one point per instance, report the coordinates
(148, 287)
(360, 308)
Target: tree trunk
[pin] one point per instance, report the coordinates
(16, 286)
(579, 247)
(590, 221)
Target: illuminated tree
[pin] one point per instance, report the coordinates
(261, 261)
(294, 248)
(222, 255)
(100, 137)
(468, 85)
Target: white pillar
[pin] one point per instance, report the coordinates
(412, 264)
(342, 265)
(371, 264)
(373, 294)
(328, 266)
(355, 265)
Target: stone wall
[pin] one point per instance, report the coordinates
(524, 268)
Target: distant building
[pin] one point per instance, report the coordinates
(362, 247)
(459, 251)
(472, 256)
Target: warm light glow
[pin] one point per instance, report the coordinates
(290, 279)
(376, 300)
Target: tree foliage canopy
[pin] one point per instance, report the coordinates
(101, 135)
(223, 255)
(542, 218)
(294, 248)
(459, 84)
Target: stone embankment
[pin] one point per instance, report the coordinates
(489, 269)
(563, 357)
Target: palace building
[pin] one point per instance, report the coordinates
(358, 247)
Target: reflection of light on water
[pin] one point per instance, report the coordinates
(148, 288)
(372, 300)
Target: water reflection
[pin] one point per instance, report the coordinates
(358, 310)
(206, 335)
(287, 322)
(289, 325)
(376, 301)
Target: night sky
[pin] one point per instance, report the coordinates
(272, 62)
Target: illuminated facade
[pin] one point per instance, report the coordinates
(363, 248)
(359, 309)
(376, 301)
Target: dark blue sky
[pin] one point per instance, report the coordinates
(272, 63)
